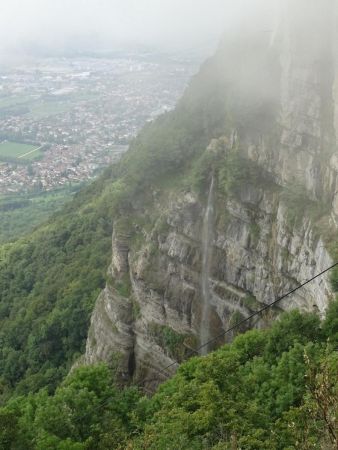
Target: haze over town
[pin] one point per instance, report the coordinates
(32, 25)
(79, 79)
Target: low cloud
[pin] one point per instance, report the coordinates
(166, 24)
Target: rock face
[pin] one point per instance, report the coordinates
(270, 226)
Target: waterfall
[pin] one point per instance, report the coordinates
(207, 236)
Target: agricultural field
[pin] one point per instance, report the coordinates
(37, 108)
(15, 150)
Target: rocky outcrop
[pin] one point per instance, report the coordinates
(270, 226)
(258, 254)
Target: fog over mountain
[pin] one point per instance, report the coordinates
(83, 25)
(168, 224)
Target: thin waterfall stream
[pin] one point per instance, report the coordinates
(207, 237)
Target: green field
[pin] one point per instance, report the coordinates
(43, 107)
(18, 151)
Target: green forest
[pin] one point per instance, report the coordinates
(269, 389)
(274, 388)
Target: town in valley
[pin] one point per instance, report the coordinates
(63, 120)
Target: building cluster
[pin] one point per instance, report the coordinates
(83, 111)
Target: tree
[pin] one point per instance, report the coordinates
(8, 428)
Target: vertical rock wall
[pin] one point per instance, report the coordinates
(151, 309)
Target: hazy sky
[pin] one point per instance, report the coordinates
(59, 24)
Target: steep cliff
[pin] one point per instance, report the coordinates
(232, 225)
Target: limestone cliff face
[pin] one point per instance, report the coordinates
(269, 226)
(257, 256)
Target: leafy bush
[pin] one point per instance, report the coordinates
(269, 389)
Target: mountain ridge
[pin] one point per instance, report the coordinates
(272, 220)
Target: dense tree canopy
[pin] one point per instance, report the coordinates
(269, 389)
